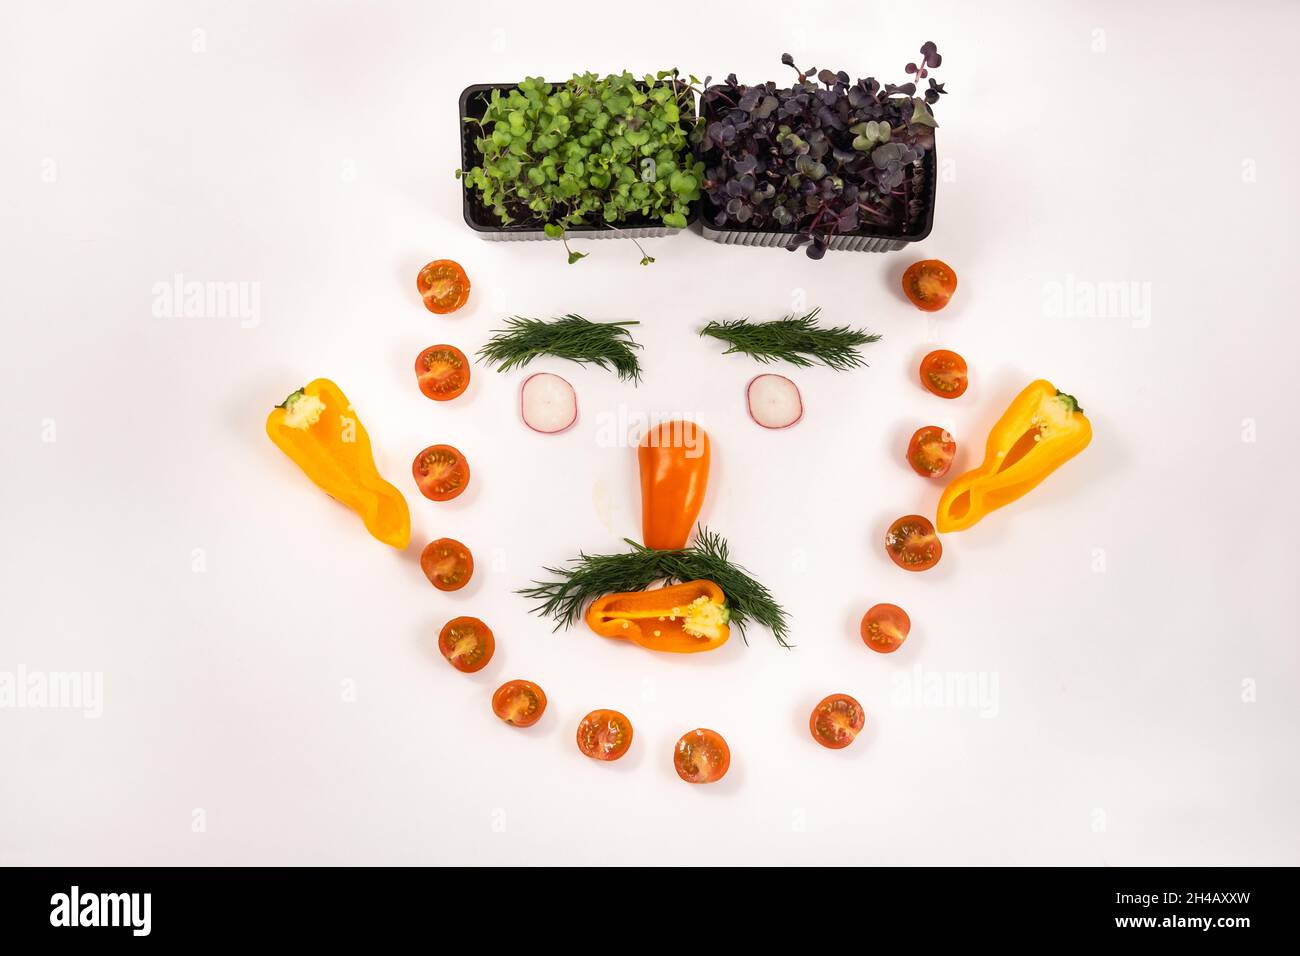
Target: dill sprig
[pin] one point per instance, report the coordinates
(606, 344)
(798, 340)
(590, 576)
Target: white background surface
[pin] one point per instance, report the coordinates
(310, 147)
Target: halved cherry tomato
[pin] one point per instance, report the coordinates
(885, 628)
(441, 471)
(912, 543)
(930, 451)
(836, 721)
(442, 371)
(443, 285)
(929, 284)
(702, 756)
(467, 643)
(447, 564)
(944, 373)
(519, 703)
(604, 735)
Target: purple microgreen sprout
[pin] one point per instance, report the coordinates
(823, 157)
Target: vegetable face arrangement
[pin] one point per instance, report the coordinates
(820, 159)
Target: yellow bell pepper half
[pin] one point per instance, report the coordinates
(1041, 430)
(317, 429)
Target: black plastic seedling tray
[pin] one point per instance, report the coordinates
(866, 239)
(473, 104)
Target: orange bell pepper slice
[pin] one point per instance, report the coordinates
(683, 618)
(674, 460)
(317, 428)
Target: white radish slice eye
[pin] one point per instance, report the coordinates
(547, 403)
(774, 401)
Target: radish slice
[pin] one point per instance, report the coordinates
(774, 401)
(547, 403)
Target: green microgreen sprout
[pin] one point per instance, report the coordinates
(593, 151)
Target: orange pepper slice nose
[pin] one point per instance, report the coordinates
(674, 463)
(682, 618)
